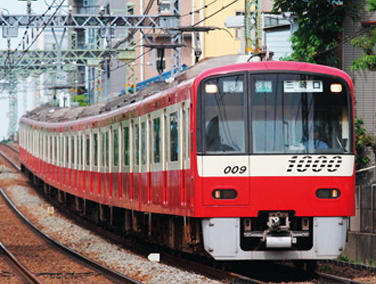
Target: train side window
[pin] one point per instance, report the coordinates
(107, 149)
(40, 145)
(87, 150)
(103, 139)
(174, 137)
(50, 149)
(136, 144)
(95, 148)
(143, 143)
(116, 147)
(72, 151)
(81, 152)
(66, 151)
(56, 149)
(126, 145)
(156, 140)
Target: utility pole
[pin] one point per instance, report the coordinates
(252, 26)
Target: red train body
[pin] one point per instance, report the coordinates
(262, 193)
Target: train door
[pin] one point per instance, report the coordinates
(40, 162)
(174, 157)
(104, 162)
(80, 158)
(144, 182)
(66, 160)
(156, 157)
(86, 162)
(54, 158)
(48, 153)
(61, 158)
(185, 149)
(126, 162)
(136, 145)
(115, 179)
(94, 168)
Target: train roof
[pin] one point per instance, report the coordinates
(200, 69)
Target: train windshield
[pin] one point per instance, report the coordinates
(274, 114)
(295, 113)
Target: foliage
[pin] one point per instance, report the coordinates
(362, 140)
(325, 268)
(81, 99)
(371, 262)
(320, 25)
(367, 44)
(342, 257)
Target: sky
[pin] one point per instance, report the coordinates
(25, 97)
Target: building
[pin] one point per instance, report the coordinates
(228, 38)
(362, 235)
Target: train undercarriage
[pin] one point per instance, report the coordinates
(270, 236)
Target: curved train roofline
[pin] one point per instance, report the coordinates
(191, 76)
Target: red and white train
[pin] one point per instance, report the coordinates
(243, 161)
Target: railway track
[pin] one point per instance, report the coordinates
(204, 269)
(20, 271)
(11, 154)
(91, 269)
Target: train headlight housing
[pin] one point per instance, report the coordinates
(224, 194)
(328, 193)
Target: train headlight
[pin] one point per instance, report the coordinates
(336, 88)
(211, 88)
(224, 194)
(328, 193)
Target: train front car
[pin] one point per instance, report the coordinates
(275, 166)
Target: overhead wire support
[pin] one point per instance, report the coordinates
(86, 21)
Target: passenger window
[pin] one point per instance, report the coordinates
(87, 150)
(116, 147)
(107, 149)
(126, 145)
(104, 150)
(72, 151)
(143, 143)
(55, 155)
(157, 140)
(174, 138)
(51, 150)
(66, 150)
(81, 150)
(95, 148)
(136, 144)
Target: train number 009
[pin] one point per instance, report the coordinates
(235, 170)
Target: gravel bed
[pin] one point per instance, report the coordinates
(90, 244)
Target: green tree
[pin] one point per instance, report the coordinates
(367, 43)
(362, 140)
(320, 24)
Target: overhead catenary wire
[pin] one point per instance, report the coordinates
(209, 16)
(32, 43)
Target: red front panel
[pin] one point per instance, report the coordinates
(256, 194)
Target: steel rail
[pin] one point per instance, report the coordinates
(116, 276)
(21, 269)
(329, 278)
